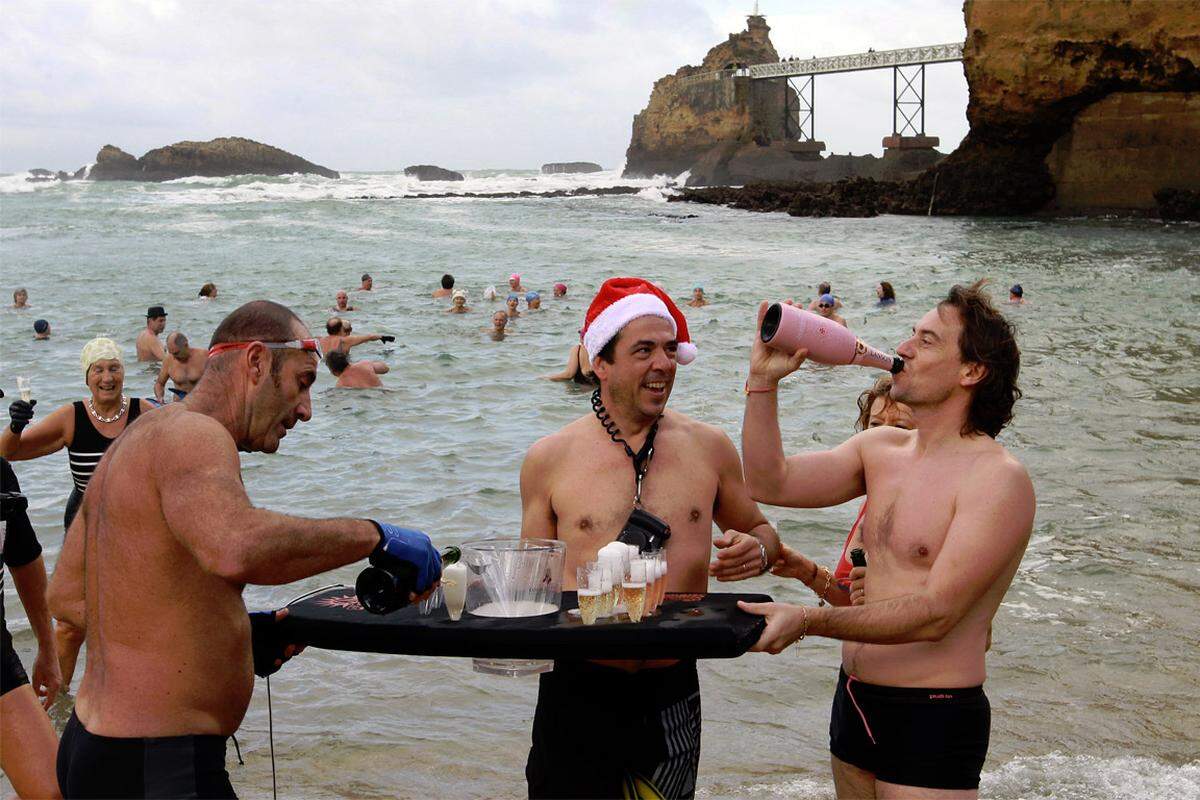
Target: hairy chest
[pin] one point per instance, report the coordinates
(909, 509)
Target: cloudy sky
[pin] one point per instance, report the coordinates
(467, 84)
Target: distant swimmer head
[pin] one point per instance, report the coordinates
(459, 298)
(533, 299)
(560, 290)
(208, 290)
(824, 288)
(41, 328)
(826, 301)
(499, 320)
(333, 325)
(514, 280)
(1016, 290)
(367, 282)
(489, 293)
(337, 361)
(512, 299)
(447, 281)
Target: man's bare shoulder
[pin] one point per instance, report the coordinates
(704, 433)
(884, 436)
(559, 443)
(999, 468)
(187, 436)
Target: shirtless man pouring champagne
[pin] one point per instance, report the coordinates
(158, 556)
(949, 517)
(602, 725)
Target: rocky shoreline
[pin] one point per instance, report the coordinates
(583, 192)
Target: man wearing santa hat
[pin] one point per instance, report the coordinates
(601, 727)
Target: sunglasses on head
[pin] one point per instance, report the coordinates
(310, 345)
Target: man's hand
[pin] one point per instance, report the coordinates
(20, 412)
(398, 544)
(785, 623)
(47, 676)
(793, 564)
(858, 586)
(768, 366)
(270, 653)
(739, 556)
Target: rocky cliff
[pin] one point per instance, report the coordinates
(217, 158)
(689, 117)
(1075, 106)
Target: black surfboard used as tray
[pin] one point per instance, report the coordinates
(686, 626)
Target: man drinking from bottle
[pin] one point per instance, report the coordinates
(163, 545)
(949, 518)
(601, 728)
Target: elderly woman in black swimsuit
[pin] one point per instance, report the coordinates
(86, 428)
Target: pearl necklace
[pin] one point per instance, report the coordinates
(124, 405)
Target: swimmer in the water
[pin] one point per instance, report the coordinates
(824, 289)
(342, 304)
(183, 364)
(458, 303)
(499, 323)
(578, 368)
(41, 329)
(698, 299)
(1016, 295)
(560, 290)
(447, 287)
(356, 375)
(338, 336)
(367, 283)
(826, 308)
(149, 348)
(513, 300)
(489, 294)
(533, 301)
(514, 283)
(20, 299)
(208, 291)
(886, 294)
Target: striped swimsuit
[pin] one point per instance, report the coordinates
(85, 451)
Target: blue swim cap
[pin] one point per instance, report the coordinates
(1017, 290)
(828, 300)
(41, 326)
(532, 296)
(513, 296)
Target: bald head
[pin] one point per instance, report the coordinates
(177, 345)
(258, 321)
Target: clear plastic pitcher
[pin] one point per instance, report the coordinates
(513, 578)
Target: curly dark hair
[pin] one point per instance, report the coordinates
(987, 339)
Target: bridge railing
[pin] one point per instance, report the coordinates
(715, 75)
(878, 59)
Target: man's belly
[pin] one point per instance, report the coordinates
(950, 663)
(158, 695)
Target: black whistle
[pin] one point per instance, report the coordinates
(858, 558)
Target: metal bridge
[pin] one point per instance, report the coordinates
(908, 84)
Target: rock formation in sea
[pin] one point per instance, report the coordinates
(428, 172)
(1075, 106)
(217, 158)
(557, 167)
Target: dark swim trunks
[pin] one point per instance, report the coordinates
(91, 766)
(932, 738)
(602, 732)
(179, 393)
(12, 674)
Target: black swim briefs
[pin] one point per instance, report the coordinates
(12, 674)
(932, 738)
(91, 766)
(602, 732)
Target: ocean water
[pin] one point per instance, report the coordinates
(1093, 676)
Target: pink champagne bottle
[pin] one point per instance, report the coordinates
(789, 328)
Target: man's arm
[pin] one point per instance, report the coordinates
(232, 538)
(537, 514)
(65, 594)
(356, 339)
(31, 584)
(741, 521)
(984, 544)
(160, 383)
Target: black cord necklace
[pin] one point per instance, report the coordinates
(641, 459)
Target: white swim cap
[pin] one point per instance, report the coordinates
(99, 349)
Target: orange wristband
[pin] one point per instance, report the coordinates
(748, 390)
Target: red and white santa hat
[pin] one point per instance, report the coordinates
(622, 300)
